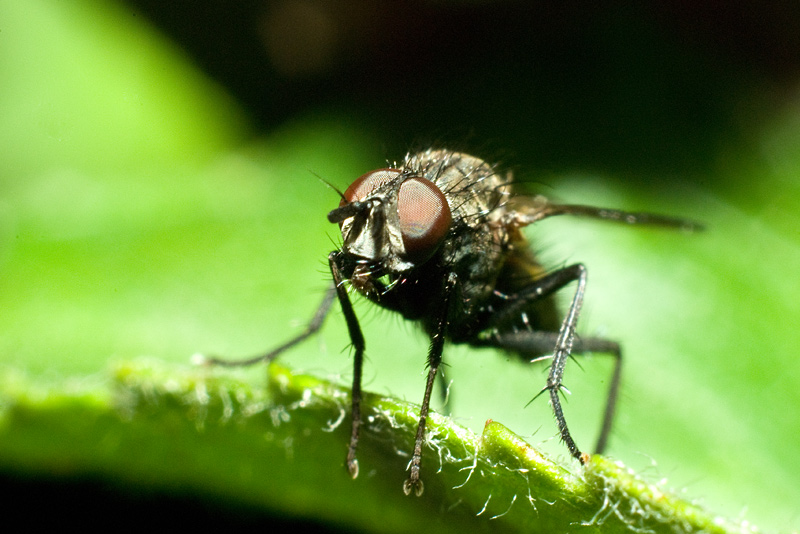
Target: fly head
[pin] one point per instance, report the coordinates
(392, 221)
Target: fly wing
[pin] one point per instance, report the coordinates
(524, 210)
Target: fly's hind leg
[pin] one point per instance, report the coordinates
(531, 342)
(562, 344)
(312, 328)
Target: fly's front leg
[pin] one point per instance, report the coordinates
(413, 483)
(312, 328)
(357, 339)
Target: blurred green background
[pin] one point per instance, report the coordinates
(159, 197)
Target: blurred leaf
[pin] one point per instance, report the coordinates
(138, 218)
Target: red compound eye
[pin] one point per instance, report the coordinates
(368, 183)
(424, 215)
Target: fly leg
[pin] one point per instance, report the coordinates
(357, 339)
(532, 342)
(413, 483)
(336, 290)
(312, 328)
(564, 340)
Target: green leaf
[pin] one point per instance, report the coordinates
(282, 448)
(138, 216)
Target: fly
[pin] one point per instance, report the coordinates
(438, 239)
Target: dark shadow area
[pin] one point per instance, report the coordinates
(57, 503)
(641, 90)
